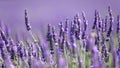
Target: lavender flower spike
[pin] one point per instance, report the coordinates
(111, 22)
(118, 25)
(95, 20)
(84, 21)
(106, 21)
(28, 27)
(3, 37)
(85, 25)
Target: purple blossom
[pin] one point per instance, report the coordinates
(28, 27)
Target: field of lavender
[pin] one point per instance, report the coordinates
(69, 46)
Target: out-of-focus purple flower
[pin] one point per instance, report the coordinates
(34, 63)
(61, 62)
(48, 57)
(41, 64)
(94, 50)
(4, 37)
(74, 50)
(95, 57)
(5, 55)
(90, 41)
(79, 62)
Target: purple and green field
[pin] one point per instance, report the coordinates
(59, 34)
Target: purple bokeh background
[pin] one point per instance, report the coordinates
(42, 12)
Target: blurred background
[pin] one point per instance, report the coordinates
(42, 12)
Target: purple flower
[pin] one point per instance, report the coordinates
(95, 20)
(95, 57)
(118, 25)
(28, 27)
(61, 63)
(54, 35)
(66, 26)
(50, 39)
(61, 32)
(49, 32)
(111, 22)
(106, 22)
(3, 37)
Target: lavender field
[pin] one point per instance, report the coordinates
(49, 39)
(70, 45)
